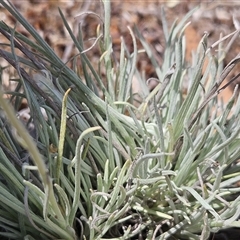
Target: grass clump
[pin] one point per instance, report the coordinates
(89, 171)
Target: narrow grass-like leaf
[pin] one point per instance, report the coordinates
(77, 173)
(62, 135)
(202, 202)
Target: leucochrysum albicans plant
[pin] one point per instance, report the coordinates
(168, 169)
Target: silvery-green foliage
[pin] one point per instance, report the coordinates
(95, 173)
